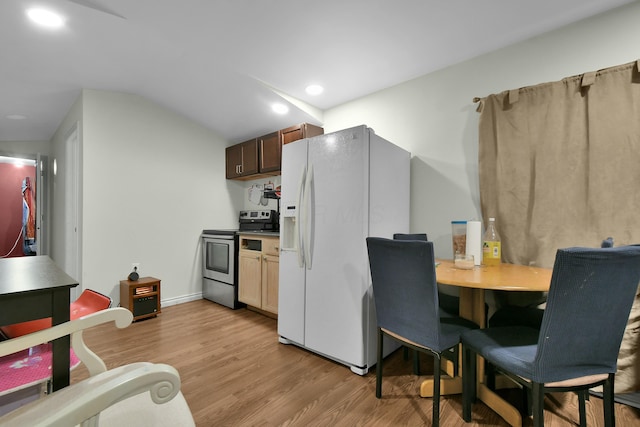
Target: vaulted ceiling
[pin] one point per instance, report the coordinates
(223, 63)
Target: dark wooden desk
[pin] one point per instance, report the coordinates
(32, 288)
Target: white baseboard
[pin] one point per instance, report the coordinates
(180, 300)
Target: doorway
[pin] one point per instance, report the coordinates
(20, 182)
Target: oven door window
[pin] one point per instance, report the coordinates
(217, 258)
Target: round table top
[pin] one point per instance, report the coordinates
(504, 277)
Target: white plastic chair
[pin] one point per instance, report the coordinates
(137, 394)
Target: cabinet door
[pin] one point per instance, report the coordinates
(270, 279)
(270, 152)
(233, 157)
(250, 278)
(291, 134)
(304, 130)
(249, 157)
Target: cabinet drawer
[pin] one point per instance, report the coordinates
(271, 246)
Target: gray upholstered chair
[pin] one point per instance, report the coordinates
(577, 346)
(449, 303)
(406, 300)
(531, 314)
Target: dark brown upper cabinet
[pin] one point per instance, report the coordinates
(270, 150)
(304, 130)
(261, 157)
(242, 159)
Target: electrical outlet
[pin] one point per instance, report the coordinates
(135, 267)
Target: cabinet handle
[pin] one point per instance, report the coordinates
(258, 257)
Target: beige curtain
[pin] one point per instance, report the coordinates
(559, 164)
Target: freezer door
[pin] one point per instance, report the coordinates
(291, 292)
(337, 284)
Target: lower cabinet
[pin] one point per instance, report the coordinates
(258, 274)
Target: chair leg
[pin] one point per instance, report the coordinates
(416, 362)
(468, 382)
(607, 394)
(527, 401)
(456, 356)
(436, 391)
(582, 407)
(490, 372)
(379, 365)
(537, 391)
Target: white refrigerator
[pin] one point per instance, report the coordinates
(337, 189)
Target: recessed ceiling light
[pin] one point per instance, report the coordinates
(46, 18)
(280, 108)
(314, 89)
(15, 117)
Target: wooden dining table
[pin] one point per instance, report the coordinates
(32, 288)
(472, 285)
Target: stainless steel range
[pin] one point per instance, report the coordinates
(219, 272)
(220, 256)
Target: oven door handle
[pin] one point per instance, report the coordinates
(217, 237)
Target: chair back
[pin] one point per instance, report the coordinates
(410, 236)
(404, 289)
(587, 310)
(88, 302)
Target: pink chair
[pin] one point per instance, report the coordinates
(88, 302)
(24, 373)
(138, 394)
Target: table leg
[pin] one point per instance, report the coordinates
(447, 386)
(499, 406)
(472, 307)
(470, 300)
(60, 362)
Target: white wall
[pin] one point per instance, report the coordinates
(58, 197)
(151, 182)
(435, 119)
(248, 204)
(24, 149)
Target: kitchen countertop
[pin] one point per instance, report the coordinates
(261, 233)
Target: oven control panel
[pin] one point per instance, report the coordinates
(257, 215)
(258, 220)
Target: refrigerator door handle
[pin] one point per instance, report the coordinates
(309, 217)
(299, 219)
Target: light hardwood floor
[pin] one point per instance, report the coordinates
(235, 373)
